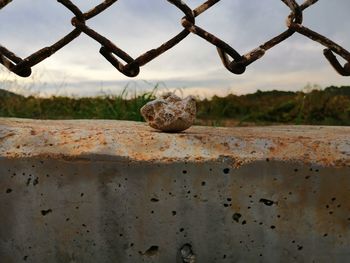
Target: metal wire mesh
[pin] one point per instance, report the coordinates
(129, 66)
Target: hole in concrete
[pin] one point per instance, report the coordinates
(45, 212)
(226, 170)
(82, 194)
(236, 217)
(244, 222)
(28, 181)
(300, 247)
(174, 213)
(36, 181)
(182, 229)
(25, 258)
(184, 172)
(187, 254)
(154, 200)
(266, 202)
(8, 190)
(152, 251)
(272, 227)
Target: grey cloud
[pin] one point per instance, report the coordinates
(139, 25)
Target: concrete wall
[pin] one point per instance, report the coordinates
(108, 191)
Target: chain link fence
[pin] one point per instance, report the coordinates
(129, 66)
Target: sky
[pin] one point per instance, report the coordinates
(192, 67)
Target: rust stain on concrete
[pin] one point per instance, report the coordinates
(327, 146)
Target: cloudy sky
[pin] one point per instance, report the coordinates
(192, 66)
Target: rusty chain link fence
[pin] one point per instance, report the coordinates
(129, 66)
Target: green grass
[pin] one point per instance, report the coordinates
(330, 106)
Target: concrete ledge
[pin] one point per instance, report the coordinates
(328, 146)
(109, 191)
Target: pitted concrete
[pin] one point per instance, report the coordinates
(107, 191)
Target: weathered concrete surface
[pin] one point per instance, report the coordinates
(108, 191)
(329, 146)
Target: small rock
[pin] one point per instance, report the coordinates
(170, 113)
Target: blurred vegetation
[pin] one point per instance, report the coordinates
(330, 106)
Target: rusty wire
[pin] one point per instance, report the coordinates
(129, 66)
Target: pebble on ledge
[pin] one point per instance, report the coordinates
(170, 113)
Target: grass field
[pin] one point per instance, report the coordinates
(330, 106)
